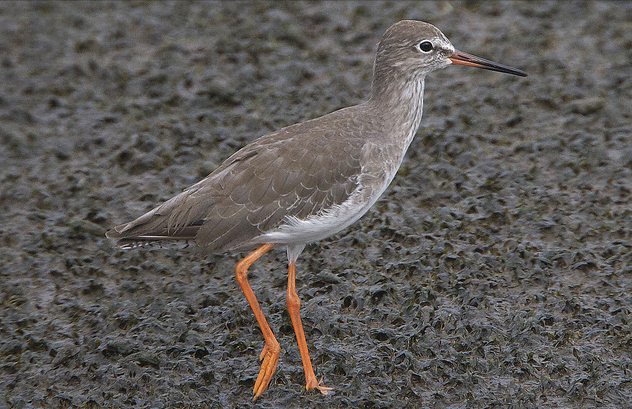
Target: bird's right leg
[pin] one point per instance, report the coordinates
(272, 349)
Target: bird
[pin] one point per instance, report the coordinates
(308, 181)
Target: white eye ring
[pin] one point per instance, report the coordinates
(426, 46)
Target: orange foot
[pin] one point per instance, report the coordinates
(270, 357)
(312, 383)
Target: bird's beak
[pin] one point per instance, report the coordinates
(461, 58)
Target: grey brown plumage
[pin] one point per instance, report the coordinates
(283, 174)
(311, 180)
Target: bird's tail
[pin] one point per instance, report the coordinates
(126, 238)
(174, 220)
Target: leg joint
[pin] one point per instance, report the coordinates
(293, 301)
(241, 272)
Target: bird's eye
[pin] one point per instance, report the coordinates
(426, 46)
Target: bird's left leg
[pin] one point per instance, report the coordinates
(293, 306)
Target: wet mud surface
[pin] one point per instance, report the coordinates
(495, 272)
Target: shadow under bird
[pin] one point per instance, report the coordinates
(308, 181)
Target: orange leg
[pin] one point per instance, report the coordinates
(272, 349)
(293, 306)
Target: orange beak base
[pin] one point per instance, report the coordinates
(461, 58)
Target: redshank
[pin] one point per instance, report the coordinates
(308, 181)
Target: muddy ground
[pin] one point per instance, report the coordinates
(495, 272)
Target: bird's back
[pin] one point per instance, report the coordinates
(297, 172)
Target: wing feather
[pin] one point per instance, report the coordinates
(293, 172)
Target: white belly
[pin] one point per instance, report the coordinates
(300, 232)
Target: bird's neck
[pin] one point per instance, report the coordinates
(399, 103)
